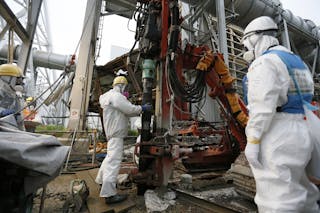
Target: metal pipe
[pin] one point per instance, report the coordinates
(302, 31)
(41, 58)
(148, 75)
(247, 10)
(304, 26)
(43, 197)
(71, 147)
(171, 114)
(314, 65)
(51, 60)
(222, 30)
(94, 147)
(285, 35)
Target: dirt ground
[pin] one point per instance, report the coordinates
(58, 191)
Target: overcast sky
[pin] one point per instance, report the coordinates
(307, 9)
(66, 24)
(66, 21)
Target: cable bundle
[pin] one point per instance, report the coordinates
(187, 92)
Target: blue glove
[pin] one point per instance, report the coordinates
(146, 107)
(6, 112)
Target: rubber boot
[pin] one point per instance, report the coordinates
(116, 198)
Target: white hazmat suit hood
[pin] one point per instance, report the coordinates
(257, 44)
(263, 44)
(278, 143)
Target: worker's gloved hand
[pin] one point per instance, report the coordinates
(146, 107)
(6, 112)
(252, 152)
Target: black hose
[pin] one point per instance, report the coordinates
(187, 92)
(174, 32)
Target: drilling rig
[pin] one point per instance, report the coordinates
(189, 66)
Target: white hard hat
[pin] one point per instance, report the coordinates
(258, 25)
(122, 73)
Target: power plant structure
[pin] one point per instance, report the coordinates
(198, 117)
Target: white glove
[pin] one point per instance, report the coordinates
(252, 152)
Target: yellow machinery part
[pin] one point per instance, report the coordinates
(206, 61)
(235, 108)
(223, 71)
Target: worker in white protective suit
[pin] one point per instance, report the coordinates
(116, 110)
(278, 142)
(11, 80)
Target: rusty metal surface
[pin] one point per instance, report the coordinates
(213, 149)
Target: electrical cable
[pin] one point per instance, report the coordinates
(137, 17)
(136, 11)
(186, 91)
(170, 90)
(58, 79)
(193, 92)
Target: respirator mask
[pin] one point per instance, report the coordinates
(249, 43)
(125, 94)
(123, 90)
(248, 56)
(120, 87)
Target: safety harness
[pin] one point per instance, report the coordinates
(298, 94)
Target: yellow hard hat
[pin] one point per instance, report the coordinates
(120, 80)
(10, 70)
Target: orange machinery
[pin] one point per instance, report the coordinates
(203, 145)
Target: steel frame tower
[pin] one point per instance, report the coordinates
(25, 39)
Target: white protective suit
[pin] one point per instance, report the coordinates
(285, 148)
(10, 101)
(116, 110)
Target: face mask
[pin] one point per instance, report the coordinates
(249, 42)
(249, 56)
(125, 94)
(18, 88)
(121, 87)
